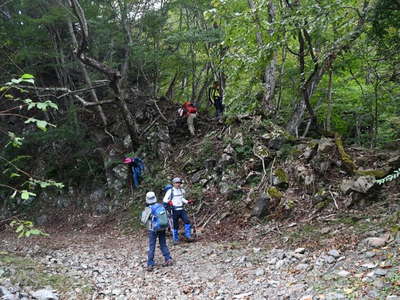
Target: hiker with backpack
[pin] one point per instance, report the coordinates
(154, 216)
(136, 166)
(189, 110)
(215, 98)
(175, 198)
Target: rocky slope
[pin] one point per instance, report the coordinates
(276, 218)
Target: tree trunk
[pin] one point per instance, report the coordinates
(170, 91)
(282, 69)
(269, 80)
(329, 112)
(87, 77)
(113, 75)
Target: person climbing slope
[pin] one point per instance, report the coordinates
(137, 167)
(215, 97)
(189, 111)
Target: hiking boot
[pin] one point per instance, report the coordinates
(189, 239)
(169, 262)
(150, 268)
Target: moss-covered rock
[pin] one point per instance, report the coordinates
(274, 193)
(280, 179)
(281, 174)
(380, 173)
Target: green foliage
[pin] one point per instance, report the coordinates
(26, 228)
(14, 178)
(245, 151)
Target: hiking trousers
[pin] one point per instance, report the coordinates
(190, 122)
(219, 107)
(153, 235)
(179, 214)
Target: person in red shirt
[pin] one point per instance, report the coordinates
(189, 110)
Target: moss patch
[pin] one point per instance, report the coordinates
(274, 193)
(27, 272)
(282, 176)
(348, 163)
(375, 173)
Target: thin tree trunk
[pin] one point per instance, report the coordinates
(207, 82)
(87, 77)
(329, 113)
(375, 139)
(170, 91)
(282, 69)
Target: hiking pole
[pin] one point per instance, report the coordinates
(170, 221)
(194, 225)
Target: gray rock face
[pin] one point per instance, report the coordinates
(260, 208)
(361, 184)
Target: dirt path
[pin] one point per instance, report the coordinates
(112, 266)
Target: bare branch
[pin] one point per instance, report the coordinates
(67, 92)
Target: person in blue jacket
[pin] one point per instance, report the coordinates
(146, 219)
(137, 167)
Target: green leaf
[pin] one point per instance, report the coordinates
(25, 195)
(41, 124)
(19, 228)
(35, 231)
(27, 76)
(14, 175)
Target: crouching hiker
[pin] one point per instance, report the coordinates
(155, 218)
(175, 197)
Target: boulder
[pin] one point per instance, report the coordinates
(362, 184)
(280, 179)
(260, 208)
(197, 176)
